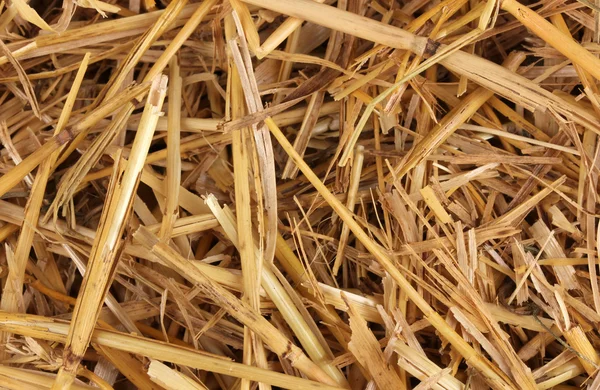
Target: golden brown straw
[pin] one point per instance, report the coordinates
(302, 194)
(107, 244)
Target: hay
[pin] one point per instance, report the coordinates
(299, 194)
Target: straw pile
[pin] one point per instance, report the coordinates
(379, 194)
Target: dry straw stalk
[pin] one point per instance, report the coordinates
(302, 194)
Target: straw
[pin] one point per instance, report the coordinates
(320, 195)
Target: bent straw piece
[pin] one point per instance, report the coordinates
(492, 375)
(263, 154)
(53, 330)
(107, 243)
(12, 292)
(238, 309)
(241, 154)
